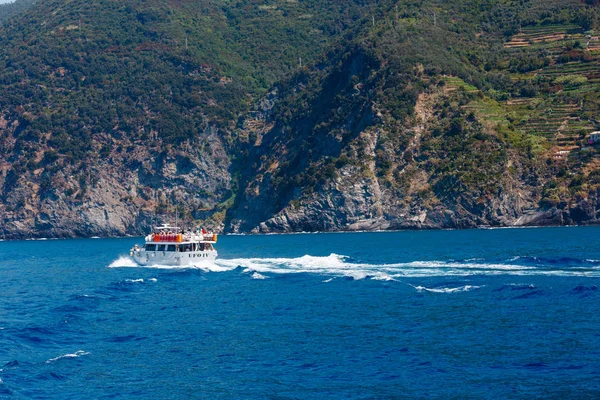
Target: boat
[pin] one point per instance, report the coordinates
(170, 245)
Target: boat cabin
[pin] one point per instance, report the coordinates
(184, 247)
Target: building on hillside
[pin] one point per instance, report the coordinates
(594, 137)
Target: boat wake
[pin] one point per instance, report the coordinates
(123, 261)
(341, 266)
(208, 266)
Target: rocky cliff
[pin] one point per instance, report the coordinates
(405, 180)
(116, 193)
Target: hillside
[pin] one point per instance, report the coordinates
(113, 111)
(455, 120)
(297, 116)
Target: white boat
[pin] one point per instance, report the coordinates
(170, 245)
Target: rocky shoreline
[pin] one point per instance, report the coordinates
(283, 224)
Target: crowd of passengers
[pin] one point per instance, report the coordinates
(180, 248)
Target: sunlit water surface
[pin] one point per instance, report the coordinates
(479, 313)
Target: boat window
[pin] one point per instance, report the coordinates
(150, 247)
(171, 247)
(161, 247)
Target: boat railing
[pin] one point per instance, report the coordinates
(181, 237)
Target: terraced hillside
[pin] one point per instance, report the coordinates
(566, 86)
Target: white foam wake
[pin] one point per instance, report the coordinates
(123, 261)
(332, 264)
(208, 266)
(338, 265)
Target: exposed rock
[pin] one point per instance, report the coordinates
(120, 194)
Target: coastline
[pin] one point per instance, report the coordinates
(23, 237)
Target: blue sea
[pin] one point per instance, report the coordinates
(502, 313)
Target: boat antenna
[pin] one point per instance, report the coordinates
(155, 209)
(175, 206)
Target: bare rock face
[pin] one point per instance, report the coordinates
(357, 203)
(123, 193)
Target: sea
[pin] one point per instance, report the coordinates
(484, 313)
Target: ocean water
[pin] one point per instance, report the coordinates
(503, 313)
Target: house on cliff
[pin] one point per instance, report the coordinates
(594, 137)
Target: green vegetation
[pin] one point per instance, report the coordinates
(149, 69)
(512, 80)
(470, 93)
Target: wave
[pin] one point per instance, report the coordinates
(140, 280)
(515, 287)
(10, 364)
(583, 289)
(256, 275)
(550, 261)
(78, 353)
(464, 288)
(208, 266)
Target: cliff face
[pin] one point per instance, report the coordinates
(414, 185)
(428, 182)
(117, 193)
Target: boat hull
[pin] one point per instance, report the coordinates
(143, 257)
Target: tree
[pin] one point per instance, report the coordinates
(587, 17)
